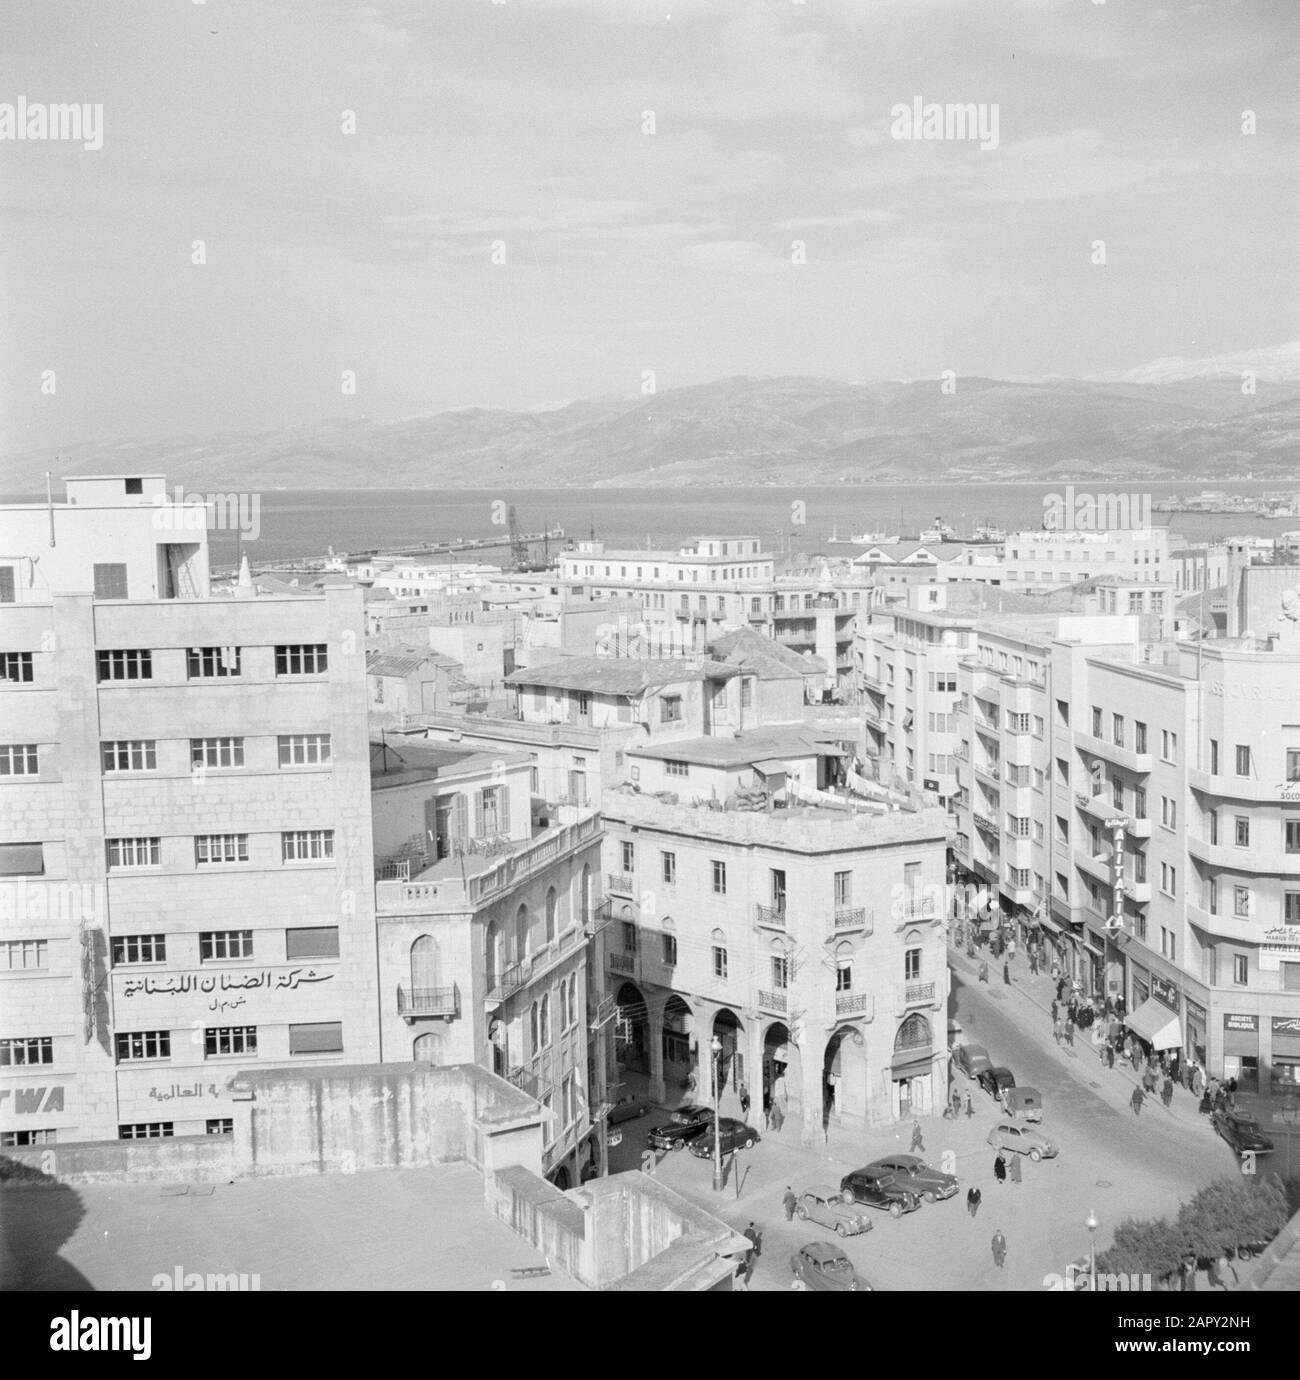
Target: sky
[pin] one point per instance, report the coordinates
(545, 200)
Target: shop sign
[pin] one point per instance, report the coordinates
(1286, 1025)
(1233, 1021)
(1164, 992)
(1195, 1011)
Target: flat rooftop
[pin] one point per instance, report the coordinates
(762, 745)
(403, 763)
(410, 1229)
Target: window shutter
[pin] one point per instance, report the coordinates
(459, 821)
(503, 808)
(478, 814)
(431, 826)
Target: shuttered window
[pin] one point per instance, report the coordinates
(316, 941)
(110, 581)
(322, 1037)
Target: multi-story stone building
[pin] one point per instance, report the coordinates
(793, 921)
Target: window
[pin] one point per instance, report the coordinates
(138, 948)
(203, 663)
(306, 749)
(843, 890)
(780, 972)
(129, 754)
(229, 1039)
(110, 581)
(1139, 736)
(1214, 757)
(1139, 802)
(220, 848)
(1292, 763)
(216, 752)
(1240, 969)
(844, 975)
(1018, 723)
(1096, 722)
(1168, 812)
(145, 1130)
(669, 861)
(124, 853)
(1063, 713)
(312, 941)
(720, 694)
(126, 665)
(912, 965)
(1168, 879)
(1243, 759)
(17, 955)
(1292, 833)
(24, 1051)
(306, 845)
(670, 950)
(627, 852)
(219, 1126)
(320, 1037)
(7, 587)
(673, 768)
(568, 1100)
(18, 759)
(1018, 826)
(16, 667)
(491, 812)
(1117, 729)
(544, 1027)
(1168, 745)
(670, 709)
(629, 937)
(719, 954)
(1167, 943)
(301, 659)
(1291, 907)
(1241, 902)
(719, 878)
(746, 692)
(1040, 727)
(16, 1140)
(215, 945)
(143, 1044)
(1241, 830)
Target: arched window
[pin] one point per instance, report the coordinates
(546, 1020)
(521, 934)
(914, 1033)
(573, 998)
(585, 898)
(719, 955)
(564, 1004)
(424, 963)
(782, 967)
(427, 1048)
(533, 1046)
(497, 950)
(844, 967)
(552, 906)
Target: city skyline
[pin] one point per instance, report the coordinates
(531, 204)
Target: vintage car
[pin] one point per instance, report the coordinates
(732, 1135)
(1023, 1140)
(826, 1205)
(681, 1127)
(972, 1060)
(913, 1172)
(1023, 1102)
(879, 1191)
(995, 1081)
(819, 1265)
(1241, 1131)
(626, 1108)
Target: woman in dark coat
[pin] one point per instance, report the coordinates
(1000, 1169)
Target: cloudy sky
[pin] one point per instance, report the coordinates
(517, 131)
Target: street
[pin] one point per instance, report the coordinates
(1112, 1162)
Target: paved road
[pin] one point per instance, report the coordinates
(1112, 1162)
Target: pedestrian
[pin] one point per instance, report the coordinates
(918, 1140)
(1033, 963)
(984, 971)
(1136, 1101)
(1056, 1010)
(973, 1200)
(1167, 1091)
(1060, 988)
(1057, 1030)
(778, 1116)
(1069, 1033)
(789, 1202)
(741, 1281)
(1110, 1056)
(767, 1115)
(1189, 1273)
(970, 1111)
(1000, 1169)
(1015, 1169)
(1006, 974)
(751, 1235)
(744, 1102)
(1219, 1270)
(999, 1249)
(1011, 950)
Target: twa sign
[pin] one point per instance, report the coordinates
(30, 1100)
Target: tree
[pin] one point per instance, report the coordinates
(1230, 1212)
(1151, 1247)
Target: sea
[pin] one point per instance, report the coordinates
(298, 525)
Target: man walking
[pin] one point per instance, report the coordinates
(1167, 1091)
(1006, 974)
(999, 1249)
(755, 1239)
(789, 1202)
(1136, 1101)
(973, 1200)
(1069, 1033)
(970, 1111)
(918, 1140)
(744, 1102)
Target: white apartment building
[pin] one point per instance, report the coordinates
(185, 839)
(1048, 559)
(806, 938)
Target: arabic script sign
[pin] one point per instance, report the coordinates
(178, 984)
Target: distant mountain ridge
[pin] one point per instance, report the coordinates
(1171, 420)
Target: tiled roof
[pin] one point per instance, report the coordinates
(767, 659)
(401, 661)
(618, 675)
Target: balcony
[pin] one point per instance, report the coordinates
(532, 967)
(621, 883)
(988, 769)
(850, 921)
(918, 993)
(927, 908)
(1137, 892)
(1241, 928)
(1223, 787)
(1102, 808)
(770, 917)
(988, 727)
(1140, 762)
(414, 1002)
(1254, 861)
(1095, 865)
(621, 963)
(854, 1004)
(772, 1001)
(988, 825)
(602, 915)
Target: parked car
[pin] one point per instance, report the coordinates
(914, 1173)
(995, 1081)
(626, 1108)
(1241, 1131)
(1247, 1250)
(827, 1206)
(1022, 1101)
(972, 1060)
(1023, 1140)
(732, 1135)
(879, 1191)
(682, 1127)
(819, 1265)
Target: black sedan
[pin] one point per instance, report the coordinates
(879, 1191)
(732, 1135)
(913, 1172)
(821, 1266)
(683, 1126)
(996, 1081)
(1241, 1131)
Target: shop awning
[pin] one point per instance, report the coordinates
(911, 1063)
(1050, 925)
(1156, 1024)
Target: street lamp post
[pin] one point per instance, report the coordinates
(1092, 1223)
(715, 1049)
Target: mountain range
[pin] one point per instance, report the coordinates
(1171, 420)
